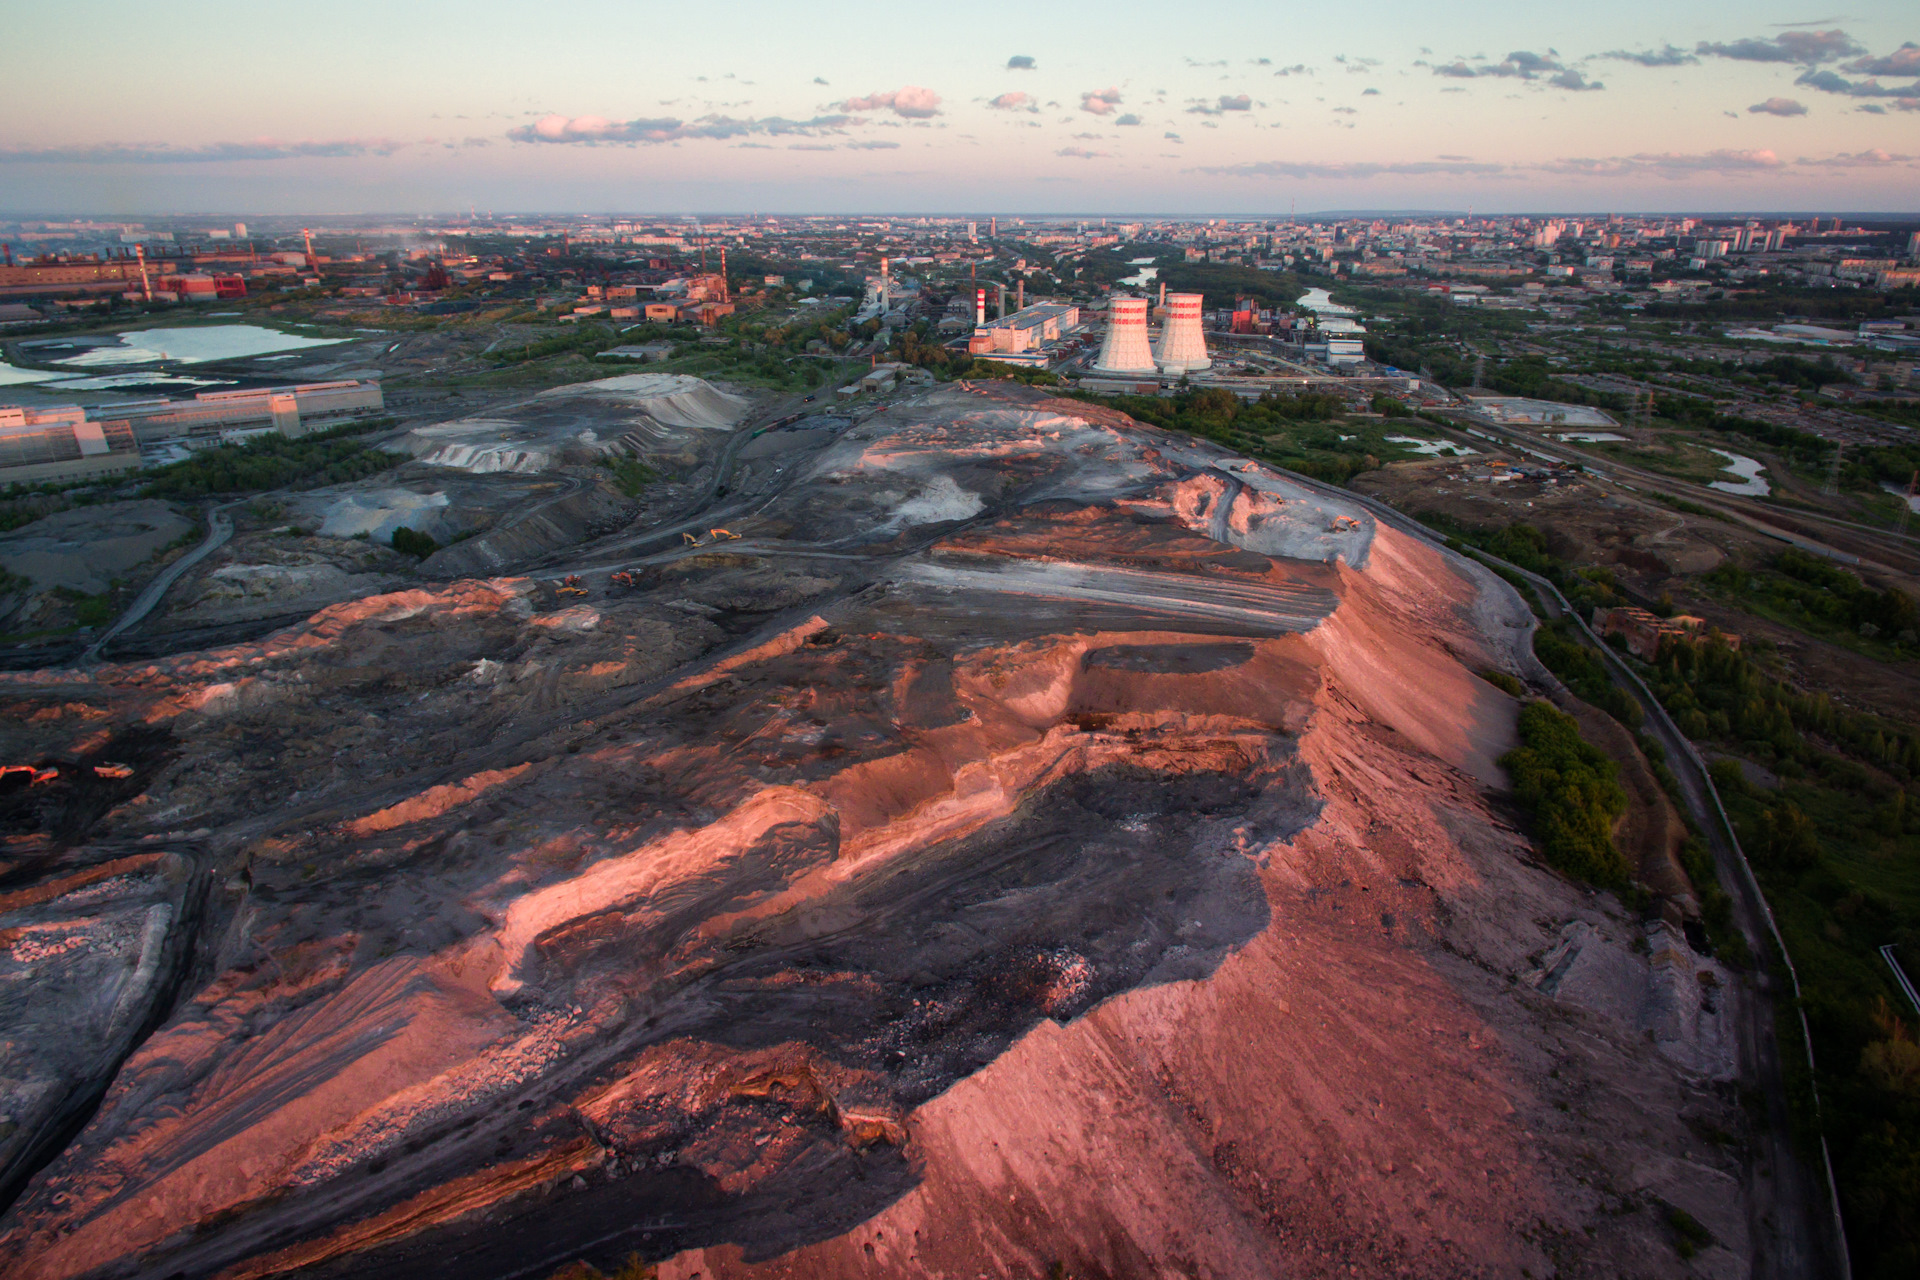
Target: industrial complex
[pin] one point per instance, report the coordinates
(70, 442)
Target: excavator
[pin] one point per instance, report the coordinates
(712, 536)
(624, 579)
(570, 586)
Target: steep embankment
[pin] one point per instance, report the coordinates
(1079, 854)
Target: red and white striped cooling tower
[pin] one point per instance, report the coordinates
(1183, 347)
(1126, 350)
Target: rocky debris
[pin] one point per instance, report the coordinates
(594, 508)
(656, 414)
(1065, 884)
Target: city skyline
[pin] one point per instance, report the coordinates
(643, 107)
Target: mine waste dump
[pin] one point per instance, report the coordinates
(981, 835)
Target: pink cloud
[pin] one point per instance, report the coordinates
(912, 102)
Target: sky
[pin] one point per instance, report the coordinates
(1216, 108)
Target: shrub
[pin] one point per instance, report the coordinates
(413, 543)
(1571, 793)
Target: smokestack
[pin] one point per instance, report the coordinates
(725, 294)
(1183, 345)
(9, 249)
(312, 261)
(993, 227)
(886, 287)
(1001, 300)
(1020, 295)
(979, 308)
(146, 285)
(1163, 295)
(1125, 351)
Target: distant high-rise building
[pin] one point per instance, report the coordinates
(240, 230)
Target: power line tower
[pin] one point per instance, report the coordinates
(1479, 371)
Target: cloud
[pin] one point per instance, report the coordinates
(1572, 79)
(1081, 153)
(1777, 107)
(1220, 106)
(1021, 62)
(1345, 111)
(1670, 56)
(1172, 137)
(1872, 158)
(207, 153)
(1670, 164)
(1014, 101)
(912, 102)
(1129, 119)
(801, 146)
(1829, 82)
(1352, 169)
(1369, 93)
(599, 129)
(1297, 69)
(819, 79)
(1807, 47)
(1100, 102)
(1520, 65)
(1904, 61)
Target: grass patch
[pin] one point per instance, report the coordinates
(630, 475)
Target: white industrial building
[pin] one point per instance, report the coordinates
(1020, 337)
(292, 411)
(58, 443)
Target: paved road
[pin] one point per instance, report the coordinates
(219, 529)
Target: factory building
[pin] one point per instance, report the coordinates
(1126, 350)
(1183, 342)
(58, 443)
(292, 411)
(198, 286)
(1023, 334)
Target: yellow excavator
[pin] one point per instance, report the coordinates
(570, 586)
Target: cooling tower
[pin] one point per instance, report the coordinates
(1183, 347)
(1126, 350)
